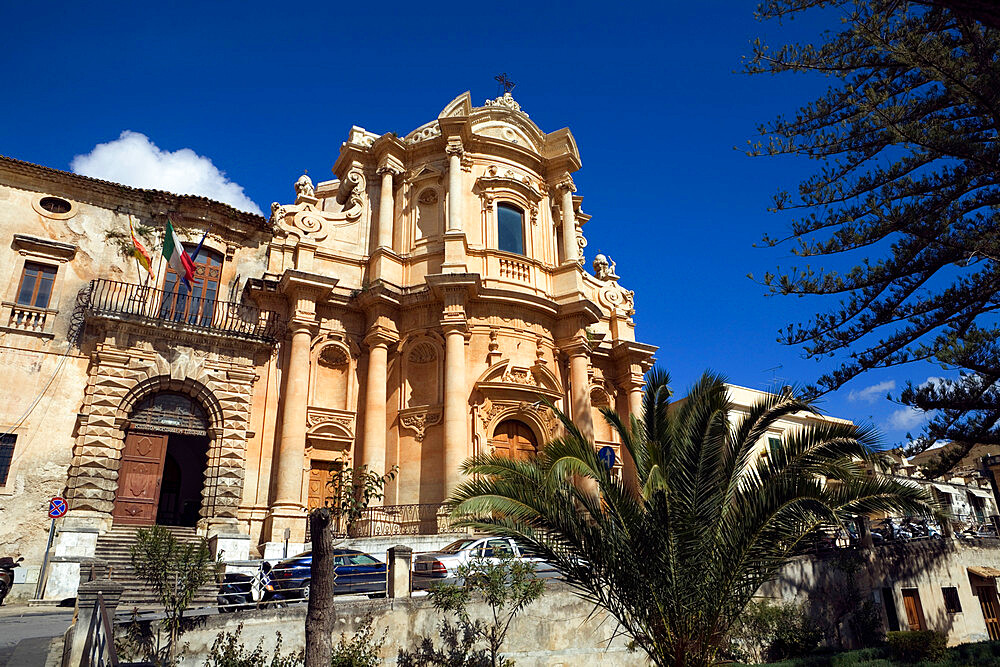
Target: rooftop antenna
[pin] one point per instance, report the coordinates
(774, 373)
(504, 84)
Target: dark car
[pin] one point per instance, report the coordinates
(357, 572)
(235, 592)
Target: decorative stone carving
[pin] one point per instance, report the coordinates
(491, 410)
(617, 297)
(304, 187)
(604, 268)
(310, 222)
(514, 375)
(428, 196)
(318, 416)
(423, 353)
(333, 356)
(357, 184)
(507, 101)
(418, 419)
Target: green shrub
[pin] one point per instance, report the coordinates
(228, 651)
(913, 646)
(361, 649)
(772, 631)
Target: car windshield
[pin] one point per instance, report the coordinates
(457, 546)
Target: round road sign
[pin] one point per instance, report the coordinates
(57, 507)
(607, 456)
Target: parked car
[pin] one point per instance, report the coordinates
(442, 566)
(357, 572)
(235, 592)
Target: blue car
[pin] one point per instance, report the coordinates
(357, 572)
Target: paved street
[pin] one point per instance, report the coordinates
(25, 633)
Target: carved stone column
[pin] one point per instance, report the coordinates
(373, 443)
(455, 152)
(386, 207)
(288, 507)
(578, 351)
(571, 253)
(456, 393)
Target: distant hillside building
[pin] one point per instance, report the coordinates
(409, 313)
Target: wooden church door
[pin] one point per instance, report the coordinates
(139, 479)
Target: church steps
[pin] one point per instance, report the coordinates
(114, 551)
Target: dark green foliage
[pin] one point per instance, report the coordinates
(506, 586)
(228, 651)
(981, 654)
(920, 645)
(174, 571)
(361, 649)
(457, 649)
(772, 631)
(676, 552)
(907, 196)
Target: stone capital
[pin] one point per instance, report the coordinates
(379, 335)
(578, 346)
(389, 166)
(566, 184)
(300, 324)
(454, 148)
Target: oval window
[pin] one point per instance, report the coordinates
(55, 205)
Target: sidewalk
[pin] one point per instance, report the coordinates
(26, 633)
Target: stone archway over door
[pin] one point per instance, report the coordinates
(139, 479)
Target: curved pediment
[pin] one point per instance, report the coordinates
(506, 377)
(511, 132)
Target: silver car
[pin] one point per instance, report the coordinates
(442, 566)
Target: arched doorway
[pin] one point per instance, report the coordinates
(162, 474)
(515, 439)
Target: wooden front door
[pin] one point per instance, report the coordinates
(991, 611)
(139, 479)
(513, 438)
(914, 612)
(321, 489)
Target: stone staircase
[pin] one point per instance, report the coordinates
(113, 552)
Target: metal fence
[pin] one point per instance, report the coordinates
(179, 308)
(389, 520)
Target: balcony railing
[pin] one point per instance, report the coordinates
(181, 310)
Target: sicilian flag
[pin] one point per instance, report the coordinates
(178, 260)
(140, 252)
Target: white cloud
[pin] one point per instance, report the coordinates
(872, 393)
(905, 419)
(132, 159)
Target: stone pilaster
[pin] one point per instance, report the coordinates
(373, 443)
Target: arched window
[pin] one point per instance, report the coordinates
(510, 228)
(196, 306)
(514, 439)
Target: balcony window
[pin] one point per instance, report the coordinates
(7, 441)
(197, 305)
(36, 285)
(510, 228)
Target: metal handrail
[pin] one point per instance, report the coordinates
(178, 308)
(99, 649)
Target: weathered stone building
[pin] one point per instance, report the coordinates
(409, 313)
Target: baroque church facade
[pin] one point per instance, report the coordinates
(409, 313)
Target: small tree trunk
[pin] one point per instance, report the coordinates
(320, 618)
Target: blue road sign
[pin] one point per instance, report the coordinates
(57, 507)
(607, 456)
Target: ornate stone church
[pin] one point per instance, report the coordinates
(411, 312)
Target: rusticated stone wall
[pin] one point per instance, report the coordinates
(122, 374)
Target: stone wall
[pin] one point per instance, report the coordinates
(558, 630)
(927, 566)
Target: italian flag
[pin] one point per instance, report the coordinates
(178, 260)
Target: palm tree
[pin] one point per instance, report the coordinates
(676, 554)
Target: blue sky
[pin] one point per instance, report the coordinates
(652, 93)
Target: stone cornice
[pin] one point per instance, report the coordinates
(46, 247)
(106, 194)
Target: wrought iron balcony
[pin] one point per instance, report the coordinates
(179, 310)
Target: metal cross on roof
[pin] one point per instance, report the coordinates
(506, 83)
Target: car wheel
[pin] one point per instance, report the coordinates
(305, 591)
